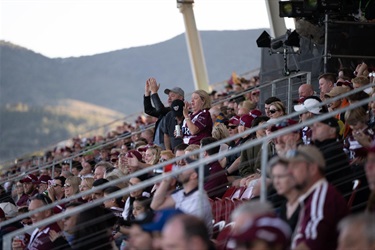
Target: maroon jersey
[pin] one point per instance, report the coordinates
(322, 207)
(203, 121)
(40, 240)
(216, 183)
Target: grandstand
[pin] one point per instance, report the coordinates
(126, 136)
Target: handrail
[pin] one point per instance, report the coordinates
(199, 163)
(219, 156)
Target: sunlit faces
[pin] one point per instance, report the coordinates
(28, 187)
(70, 222)
(84, 187)
(322, 131)
(132, 182)
(275, 112)
(172, 96)
(196, 102)
(139, 239)
(300, 173)
(325, 86)
(181, 162)
(232, 129)
(335, 104)
(282, 179)
(68, 189)
(99, 172)
(138, 209)
(37, 217)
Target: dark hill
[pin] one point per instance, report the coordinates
(113, 80)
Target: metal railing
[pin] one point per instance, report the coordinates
(7, 238)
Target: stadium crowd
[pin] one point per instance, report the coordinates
(320, 178)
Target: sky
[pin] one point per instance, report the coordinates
(65, 28)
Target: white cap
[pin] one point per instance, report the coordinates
(309, 105)
(9, 209)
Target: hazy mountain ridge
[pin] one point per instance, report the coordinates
(113, 80)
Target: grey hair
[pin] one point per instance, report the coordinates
(366, 220)
(252, 208)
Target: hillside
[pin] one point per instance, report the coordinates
(113, 80)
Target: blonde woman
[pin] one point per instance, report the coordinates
(86, 184)
(71, 186)
(198, 123)
(152, 155)
(277, 109)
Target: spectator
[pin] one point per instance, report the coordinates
(306, 164)
(276, 110)
(152, 155)
(267, 104)
(234, 160)
(69, 224)
(76, 168)
(43, 183)
(338, 104)
(361, 81)
(326, 83)
(305, 90)
(357, 232)
(186, 230)
(93, 229)
(40, 238)
(159, 111)
(71, 186)
(101, 169)
(98, 193)
(56, 190)
(29, 187)
(8, 211)
(337, 170)
(216, 183)
(264, 232)
(249, 159)
(284, 185)
(187, 199)
(141, 207)
(19, 192)
(86, 184)
(155, 227)
(198, 124)
(171, 120)
(127, 213)
(310, 106)
(86, 169)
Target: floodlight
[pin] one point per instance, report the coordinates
(264, 40)
(293, 39)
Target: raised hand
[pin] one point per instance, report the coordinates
(154, 86)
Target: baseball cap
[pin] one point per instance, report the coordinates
(30, 178)
(306, 153)
(135, 153)
(235, 120)
(331, 121)
(9, 209)
(283, 124)
(268, 228)
(44, 179)
(336, 91)
(309, 105)
(160, 218)
(246, 120)
(255, 113)
(176, 90)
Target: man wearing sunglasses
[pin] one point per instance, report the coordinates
(322, 206)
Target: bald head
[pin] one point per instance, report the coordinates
(305, 90)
